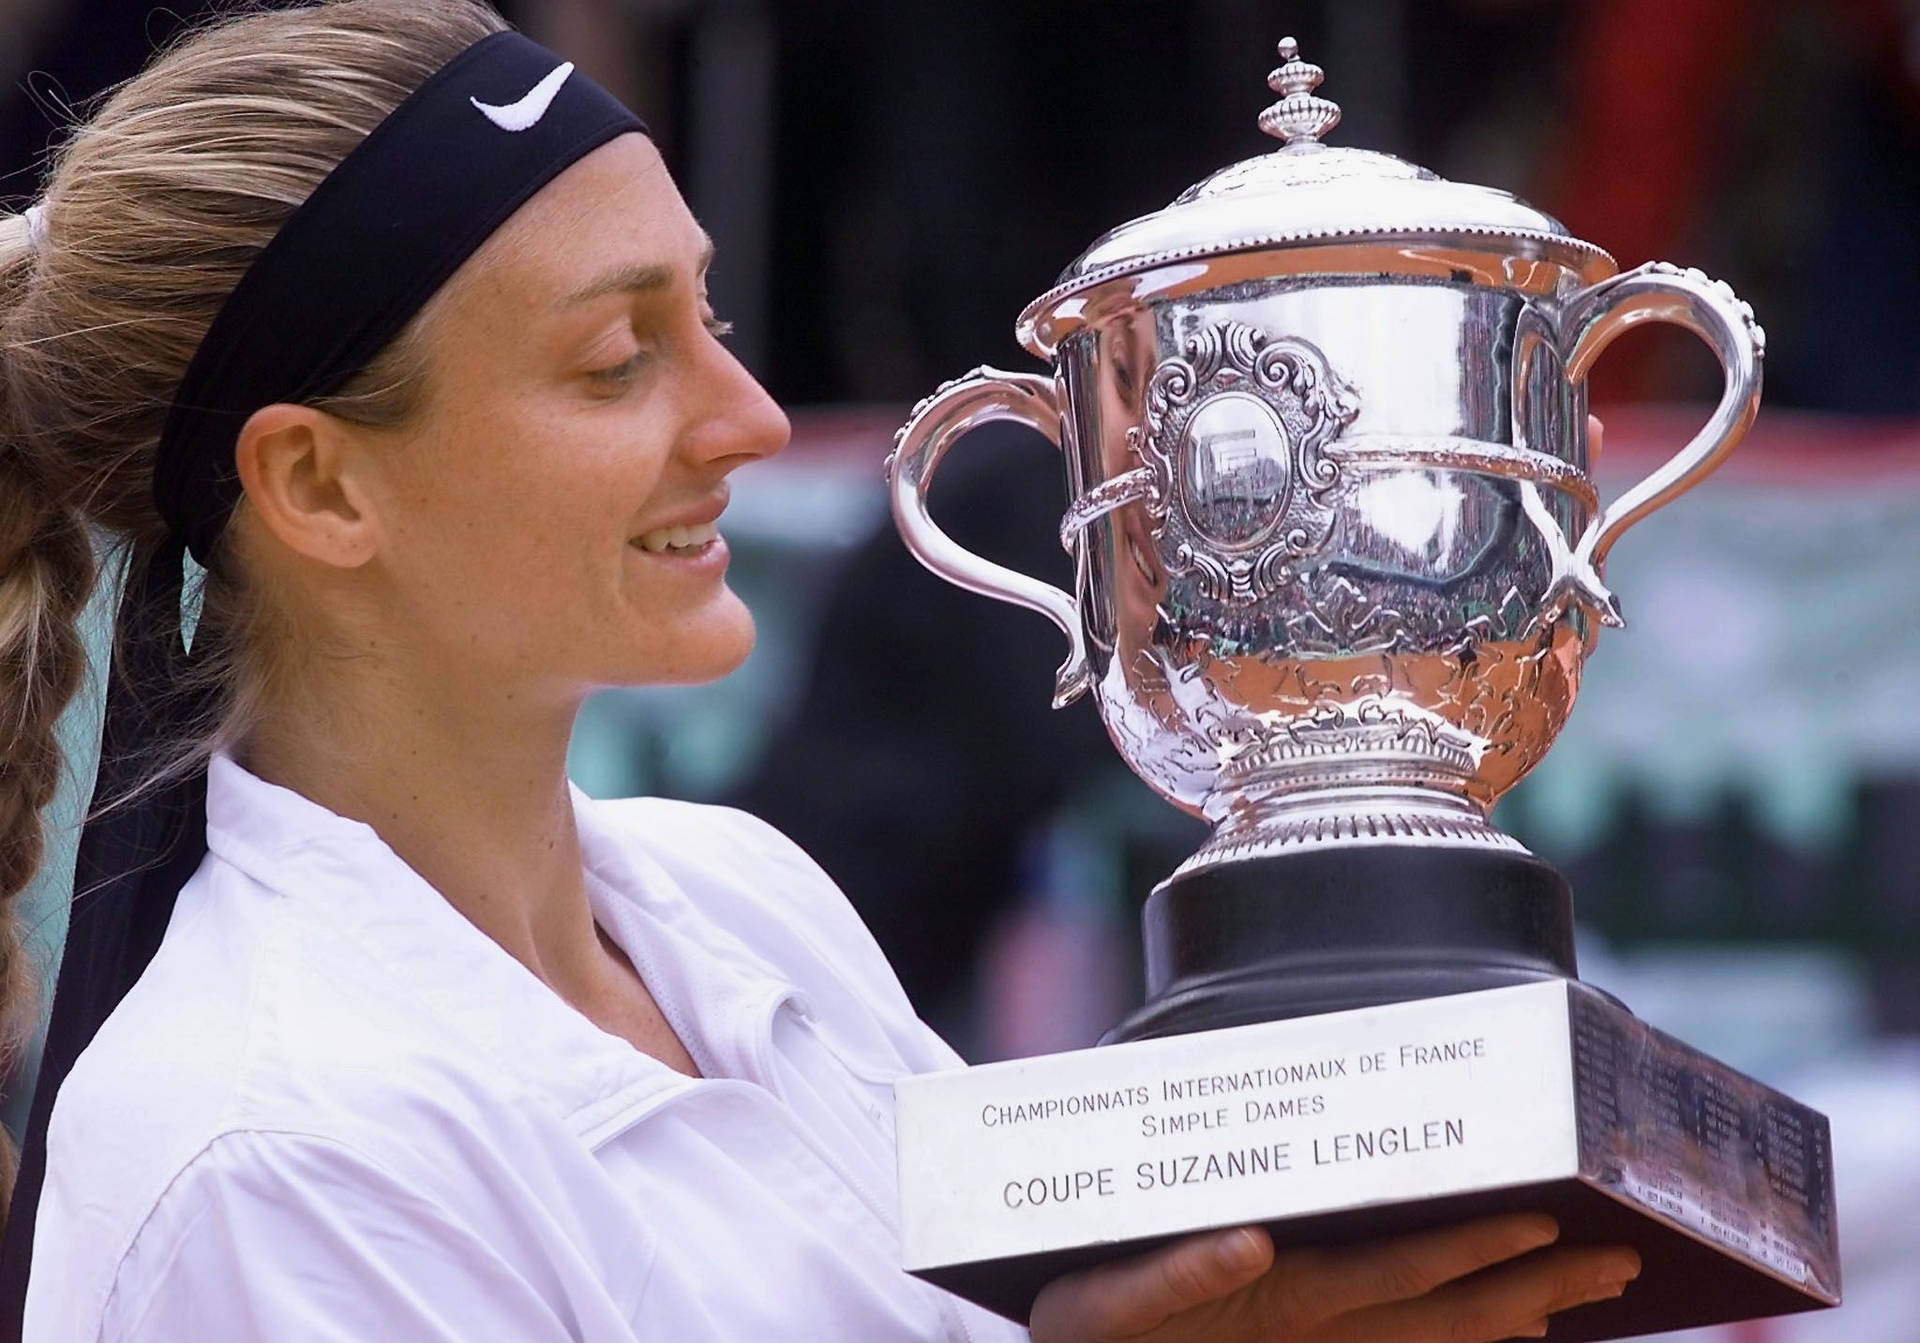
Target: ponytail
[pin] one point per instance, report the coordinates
(46, 573)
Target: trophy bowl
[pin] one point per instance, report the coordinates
(1338, 557)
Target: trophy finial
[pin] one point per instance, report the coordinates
(1299, 116)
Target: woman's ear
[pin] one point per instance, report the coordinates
(303, 472)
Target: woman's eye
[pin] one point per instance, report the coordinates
(716, 326)
(622, 372)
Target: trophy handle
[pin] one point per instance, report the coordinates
(1660, 292)
(984, 395)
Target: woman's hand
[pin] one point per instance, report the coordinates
(1428, 1288)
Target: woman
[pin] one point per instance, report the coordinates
(397, 324)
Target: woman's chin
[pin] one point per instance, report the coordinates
(705, 648)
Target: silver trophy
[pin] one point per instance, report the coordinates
(1339, 564)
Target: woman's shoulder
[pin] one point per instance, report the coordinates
(250, 1020)
(173, 1051)
(346, 1232)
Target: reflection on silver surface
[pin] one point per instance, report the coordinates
(1237, 470)
(1338, 560)
(1712, 1153)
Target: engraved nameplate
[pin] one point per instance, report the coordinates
(1548, 1095)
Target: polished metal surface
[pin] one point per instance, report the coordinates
(1304, 193)
(1338, 559)
(939, 421)
(1299, 115)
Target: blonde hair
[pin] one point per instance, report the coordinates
(152, 211)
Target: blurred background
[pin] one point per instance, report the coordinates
(1737, 799)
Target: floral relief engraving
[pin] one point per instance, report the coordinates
(1236, 427)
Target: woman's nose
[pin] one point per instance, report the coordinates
(742, 420)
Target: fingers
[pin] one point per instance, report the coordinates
(1450, 1286)
(1512, 1301)
(1315, 1285)
(1595, 432)
(1132, 1296)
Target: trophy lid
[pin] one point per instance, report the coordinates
(1307, 194)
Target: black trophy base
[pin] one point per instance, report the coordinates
(1326, 930)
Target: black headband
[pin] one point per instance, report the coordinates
(368, 248)
(376, 239)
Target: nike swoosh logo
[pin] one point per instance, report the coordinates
(526, 113)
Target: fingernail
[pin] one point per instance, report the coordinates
(1239, 1250)
(1622, 1268)
(1538, 1329)
(1539, 1231)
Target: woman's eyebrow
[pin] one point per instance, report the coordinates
(638, 279)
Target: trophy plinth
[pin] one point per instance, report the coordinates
(1359, 926)
(1338, 569)
(1546, 1097)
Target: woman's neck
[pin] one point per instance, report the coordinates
(476, 803)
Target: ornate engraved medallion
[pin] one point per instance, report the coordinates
(1235, 434)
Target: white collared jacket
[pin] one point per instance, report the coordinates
(332, 1109)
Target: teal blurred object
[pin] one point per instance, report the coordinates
(1733, 771)
(1743, 766)
(44, 905)
(1772, 640)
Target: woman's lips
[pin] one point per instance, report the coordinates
(682, 539)
(708, 557)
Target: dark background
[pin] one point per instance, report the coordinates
(1737, 800)
(891, 180)
(931, 165)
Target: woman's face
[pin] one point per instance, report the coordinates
(548, 518)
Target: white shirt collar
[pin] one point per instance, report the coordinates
(340, 872)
